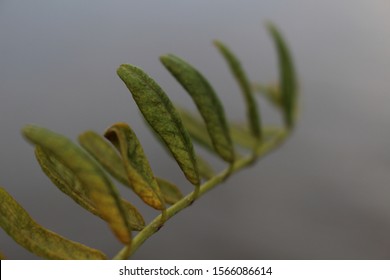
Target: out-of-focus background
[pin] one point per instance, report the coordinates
(324, 195)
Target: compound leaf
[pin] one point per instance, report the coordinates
(18, 224)
(98, 187)
(288, 83)
(239, 74)
(159, 112)
(68, 183)
(136, 165)
(206, 101)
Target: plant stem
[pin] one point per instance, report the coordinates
(261, 150)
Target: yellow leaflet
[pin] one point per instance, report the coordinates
(108, 157)
(18, 224)
(171, 192)
(97, 186)
(68, 183)
(206, 101)
(104, 153)
(159, 112)
(136, 165)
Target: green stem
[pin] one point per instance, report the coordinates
(239, 164)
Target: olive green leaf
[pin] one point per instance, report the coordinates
(136, 165)
(68, 183)
(205, 170)
(134, 217)
(196, 128)
(104, 153)
(271, 92)
(171, 192)
(18, 224)
(288, 83)
(98, 187)
(239, 74)
(206, 101)
(63, 178)
(159, 112)
(2, 257)
(243, 137)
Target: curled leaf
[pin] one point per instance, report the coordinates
(107, 156)
(104, 153)
(18, 224)
(66, 182)
(159, 112)
(136, 165)
(206, 101)
(239, 74)
(97, 186)
(171, 192)
(288, 83)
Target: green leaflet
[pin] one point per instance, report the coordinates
(239, 74)
(136, 165)
(206, 101)
(107, 156)
(197, 130)
(104, 153)
(68, 183)
(98, 187)
(288, 83)
(159, 112)
(205, 170)
(63, 178)
(18, 224)
(2, 257)
(243, 137)
(171, 192)
(271, 92)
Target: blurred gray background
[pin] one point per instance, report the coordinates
(324, 195)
